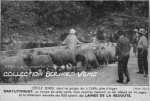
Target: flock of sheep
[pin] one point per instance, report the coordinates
(84, 57)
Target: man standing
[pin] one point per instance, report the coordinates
(71, 41)
(142, 53)
(123, 51)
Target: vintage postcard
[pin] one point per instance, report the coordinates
(74, 49)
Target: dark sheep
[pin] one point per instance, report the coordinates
(80, 62)
(37, 62)
(101, 55)
(62, 57)
(88, 58)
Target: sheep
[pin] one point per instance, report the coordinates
(38, 62)
(62, 57)
(13, 64)
(88, 58)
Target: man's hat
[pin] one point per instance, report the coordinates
(142, 31)
(72, 31)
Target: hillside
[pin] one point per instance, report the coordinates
(51, 20)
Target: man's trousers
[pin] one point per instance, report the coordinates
(122, 68)
(142, 61)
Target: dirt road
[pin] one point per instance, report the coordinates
(105, 76)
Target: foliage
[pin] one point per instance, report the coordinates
(35, 16)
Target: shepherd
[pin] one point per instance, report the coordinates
(71, 41)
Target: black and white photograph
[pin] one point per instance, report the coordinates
(74, 43)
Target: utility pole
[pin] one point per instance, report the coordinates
(0, 32)
(0, 40)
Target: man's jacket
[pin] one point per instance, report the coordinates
(123, 47)
(143, 43)
(71, 41)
